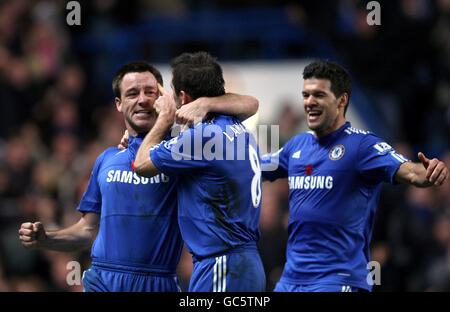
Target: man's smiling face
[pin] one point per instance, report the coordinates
(138, 93)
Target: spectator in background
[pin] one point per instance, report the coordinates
(437, 276)
(273, 228)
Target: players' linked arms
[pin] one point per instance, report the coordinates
(427, 173)
(240, 106)
(165, 105)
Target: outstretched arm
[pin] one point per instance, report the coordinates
(165, 104)
(76, 237)
(424, 174)
(241, 106)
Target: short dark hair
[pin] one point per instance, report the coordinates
(339, 78)
(197, 74)
(134, 67)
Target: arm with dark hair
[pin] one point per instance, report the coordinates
(79, 236)
(240, 106)
(427, 173)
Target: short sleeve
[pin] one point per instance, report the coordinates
(92, 197)
(377, 160)
(180, 154)
(275, 165)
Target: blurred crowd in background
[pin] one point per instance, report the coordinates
(57, 115)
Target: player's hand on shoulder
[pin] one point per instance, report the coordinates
(124, 141)
(32, 235)
(437, 171)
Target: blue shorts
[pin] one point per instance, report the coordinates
(235, 271)
(103, 280)
(288, 287)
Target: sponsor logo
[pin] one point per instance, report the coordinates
(297, 154)
(310, 182)
(130, 177)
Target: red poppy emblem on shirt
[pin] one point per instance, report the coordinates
(132, 165)
(308, 170)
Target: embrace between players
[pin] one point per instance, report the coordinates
(137, 226)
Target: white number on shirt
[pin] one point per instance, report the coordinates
(256, 181)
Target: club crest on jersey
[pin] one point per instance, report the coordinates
(337, 152)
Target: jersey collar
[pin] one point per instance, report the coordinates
(134, 142)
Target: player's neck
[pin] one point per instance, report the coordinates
(339, 123)
(136, 133)
(131, 131)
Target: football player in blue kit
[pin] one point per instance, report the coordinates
(132, 219)
(335, 173)
(219, 181)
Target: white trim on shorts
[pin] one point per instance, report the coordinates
(220, 274)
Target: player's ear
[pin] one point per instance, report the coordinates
(343, 100)
(185, 97)
(118, 103)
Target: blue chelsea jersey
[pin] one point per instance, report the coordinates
(219, 184)
(334, 188)
(138, 216)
